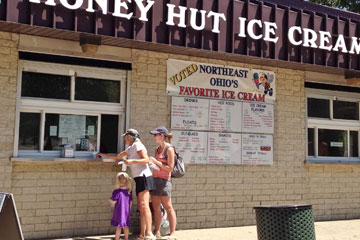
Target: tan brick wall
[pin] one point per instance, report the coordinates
(67, 199)
(8, 72)
(218, 195)
(63, 199)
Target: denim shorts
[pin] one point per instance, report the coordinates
(162, 187)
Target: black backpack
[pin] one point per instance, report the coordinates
(179, 166)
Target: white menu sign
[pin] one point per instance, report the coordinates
(189, 113)
(258, 118)
(257, 149)
(225, 116)
(192, 146)
(224, 148)
(72, 127)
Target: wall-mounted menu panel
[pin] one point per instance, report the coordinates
(257, 149)
(225, 116)
(190, 113)
(191, 145)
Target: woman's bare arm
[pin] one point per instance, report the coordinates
(117, 157)
(170, 160)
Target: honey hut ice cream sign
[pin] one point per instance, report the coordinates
(191, 79)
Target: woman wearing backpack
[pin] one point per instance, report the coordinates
(162, 175)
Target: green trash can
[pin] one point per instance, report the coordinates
(285, 222)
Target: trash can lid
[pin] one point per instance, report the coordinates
(285, 207)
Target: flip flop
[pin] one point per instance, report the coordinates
(150, 237)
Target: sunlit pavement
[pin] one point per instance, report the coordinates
(332, 230)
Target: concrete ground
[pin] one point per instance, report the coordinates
(333, 230)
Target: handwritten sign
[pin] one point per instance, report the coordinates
(258, 118)
(225, 116)
(72, 127)
(191, 145)
(53, 131)
(257, 149)
(190, 113)
(224, 148)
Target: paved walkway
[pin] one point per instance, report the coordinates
(334, 230)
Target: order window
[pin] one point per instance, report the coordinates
(332, 126)
(59, 105)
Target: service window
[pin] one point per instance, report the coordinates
(332, 126)
(69, 105)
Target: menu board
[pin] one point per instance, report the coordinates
(224, 148)
(222, 131)
(189, 113)
(191, 145)
(72, 127)
(258, 118)
(225, 116)
(257, 149)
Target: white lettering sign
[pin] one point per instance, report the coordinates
(197, 21)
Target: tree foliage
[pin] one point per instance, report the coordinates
(349, 5)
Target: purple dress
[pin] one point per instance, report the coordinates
(121, 216)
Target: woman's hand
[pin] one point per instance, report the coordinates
(152, 159)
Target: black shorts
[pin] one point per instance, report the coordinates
(144, 183)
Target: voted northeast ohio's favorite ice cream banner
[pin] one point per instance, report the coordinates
(203, 80)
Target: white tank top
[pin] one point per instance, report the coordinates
(137, 170)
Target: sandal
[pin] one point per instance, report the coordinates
(140, 237)
(152, 237)
(158, 237)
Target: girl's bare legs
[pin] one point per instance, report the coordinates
(126, 233)
(156, 201)
(118, 233)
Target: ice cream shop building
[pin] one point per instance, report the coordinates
(262, 98)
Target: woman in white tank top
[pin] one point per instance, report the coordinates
(137, 160)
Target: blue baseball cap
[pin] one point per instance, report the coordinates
(161, 130)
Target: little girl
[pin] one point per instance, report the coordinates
(122, 199)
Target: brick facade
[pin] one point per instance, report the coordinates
(8, 72)
(58, 199)
(223, 196)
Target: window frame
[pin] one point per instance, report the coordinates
(331, 124)
(72, 106)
